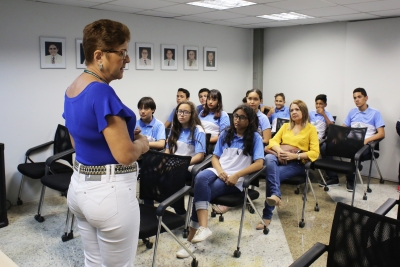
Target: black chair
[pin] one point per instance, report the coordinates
(279, 123)
(36, 170)
(162, 180)
(389, 205)
(59, 182)
(343, 142)
(374, 146)
(358, 238)
(244, 199)
(230, 118)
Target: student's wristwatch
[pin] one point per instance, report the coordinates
(298, 155)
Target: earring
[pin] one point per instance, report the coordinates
(101, 66)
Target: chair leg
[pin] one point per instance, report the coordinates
(68, 236)
(249, 201)
(302, 223)
(369, 175)
(19, 201)
(188, 214)
(362, 183)
(38, 216)
(237, 252)
(316, 208)
(326, 188)
(379, 171)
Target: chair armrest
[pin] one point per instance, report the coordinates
(247, 180)
(360, 152)
(172, 199)
(387, 206)
(201, 166)
(52, 159)
(308, 165)
(322, 141)
(310, 256)
(30, 150)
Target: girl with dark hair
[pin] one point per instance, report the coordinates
(238, 152)
(254, 99)
(213, 118)
(302, 139)
(187, 138)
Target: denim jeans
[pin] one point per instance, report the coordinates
(331, 175)
(275, 174)
(208, 186)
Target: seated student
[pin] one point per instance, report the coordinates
(301, 140)
(203, 93)
(319, 117)
(181, 95)
(238, 152)
(280, 111)
(362, 116)
(254, 98)
(213, 118)
(187, 138)
(148, 125)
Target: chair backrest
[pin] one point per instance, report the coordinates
(344, 141)
(161, 175)
(167, 132)
(363, 238)
(208, 137)
(280, 122)
(230, 118)
(62, 142)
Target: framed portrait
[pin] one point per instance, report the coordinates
(52, 53)
(210, 58)
(144, 56)
(169, 57)
(80, 55)
(191, 57)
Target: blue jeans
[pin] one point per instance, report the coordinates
(275, 174)
(331, 175)
(208, 186)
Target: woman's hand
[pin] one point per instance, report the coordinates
(143, 141)
(285, 156)
(223, 175)
(232, 180)
(136, 132)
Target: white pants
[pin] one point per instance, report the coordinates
(108, 218)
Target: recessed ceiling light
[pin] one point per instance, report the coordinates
(286, 16)
(221, 4)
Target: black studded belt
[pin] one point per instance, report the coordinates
(102, 170)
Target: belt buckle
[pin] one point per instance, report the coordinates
(91, 177)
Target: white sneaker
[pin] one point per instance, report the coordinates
(181, 254)
(201, 234)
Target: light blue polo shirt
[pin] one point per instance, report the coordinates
(214, 126)
(263, 122)
(171, 116)
(232, 158)
(154, 131)
(190, 147)
(319, 122)
(282, 113)
(199, 108)
(370, 118)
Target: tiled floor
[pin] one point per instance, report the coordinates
(29, 243)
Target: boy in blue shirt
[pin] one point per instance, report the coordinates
(203, 93)
(181, 95)
(280, 111)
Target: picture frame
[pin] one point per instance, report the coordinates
(144, 56)
(191, 57)
(169, 57)
(80, 55)
(52, 53)
(210, 58)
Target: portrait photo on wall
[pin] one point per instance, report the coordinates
(144, 56)
(169, 59)
(210, 58)
(191, 56)
(80, 55)
(52, 53)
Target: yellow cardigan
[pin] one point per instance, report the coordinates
(306, 140)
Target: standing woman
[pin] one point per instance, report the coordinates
(213, 118)
(254, 99)
(102, 193)
(302, 138)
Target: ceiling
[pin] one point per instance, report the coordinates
(245, 17)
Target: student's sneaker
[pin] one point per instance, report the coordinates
(182, 254)
(350, 186)
(329, 182)
(201, 234)
(398, 188)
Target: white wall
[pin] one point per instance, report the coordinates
(31, 99)
(334, 59)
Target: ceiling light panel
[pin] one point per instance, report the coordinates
(221, 4)
(286, 16)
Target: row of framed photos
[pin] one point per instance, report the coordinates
(52, 56)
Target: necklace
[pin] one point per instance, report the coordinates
(95, 75)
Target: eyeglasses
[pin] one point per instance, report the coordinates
(183, 112)
(241, 117)
(121, 53)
